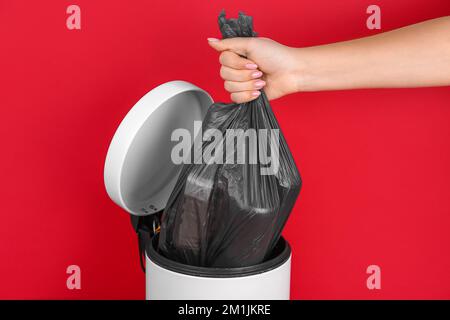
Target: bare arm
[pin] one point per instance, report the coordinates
(413, 56)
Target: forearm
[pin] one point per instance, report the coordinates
(413, 56)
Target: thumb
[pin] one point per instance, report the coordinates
(237, 45)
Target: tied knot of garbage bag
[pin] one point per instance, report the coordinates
(240, 27)
(230, 212)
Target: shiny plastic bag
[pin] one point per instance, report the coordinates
(229, 210)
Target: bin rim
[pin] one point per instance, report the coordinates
(282, 253)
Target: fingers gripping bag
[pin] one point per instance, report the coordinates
(231, 202)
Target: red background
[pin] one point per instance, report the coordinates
(375, 163)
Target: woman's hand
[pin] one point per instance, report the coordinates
(267, 64)
(413, 56)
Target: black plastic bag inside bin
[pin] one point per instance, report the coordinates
(231, 214)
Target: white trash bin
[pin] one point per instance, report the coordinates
(140, 175)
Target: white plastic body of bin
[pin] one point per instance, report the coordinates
(168, 280)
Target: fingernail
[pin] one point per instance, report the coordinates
(213, 39)
(256, 93)
(251, 66)
(257, 74)
(259, 84)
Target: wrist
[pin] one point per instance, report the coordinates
(302, 76)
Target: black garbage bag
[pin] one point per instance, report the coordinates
(230, 211)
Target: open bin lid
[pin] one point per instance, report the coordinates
(139, 173)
